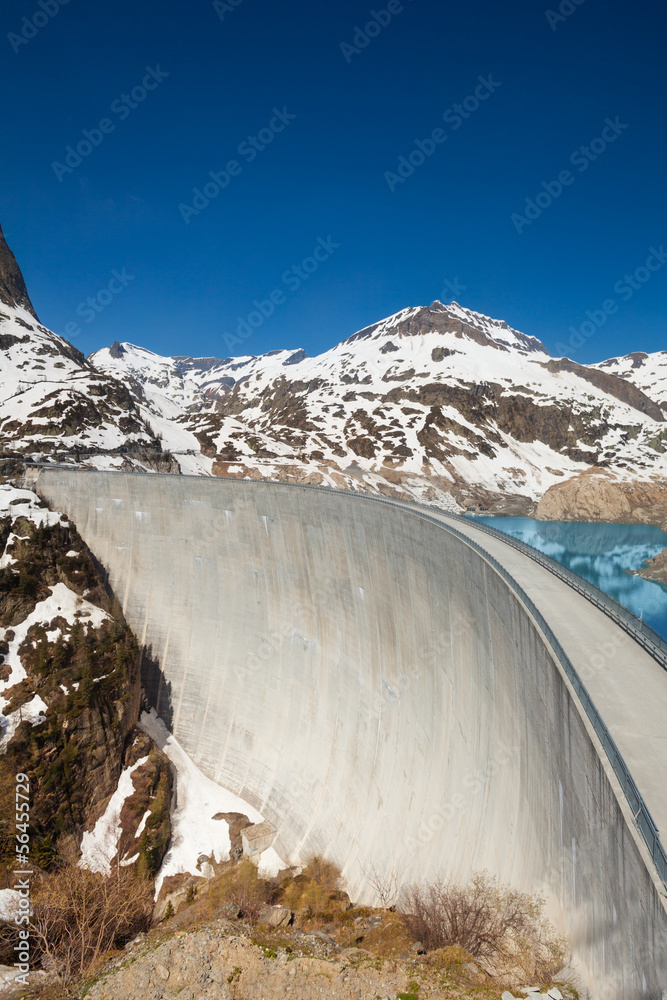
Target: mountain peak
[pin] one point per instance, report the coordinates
(116, 350)
(13, 291)
(454, 320)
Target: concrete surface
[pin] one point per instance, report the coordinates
(378, 691)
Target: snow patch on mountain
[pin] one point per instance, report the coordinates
(165, 396)
(647, 371)
(52, 400)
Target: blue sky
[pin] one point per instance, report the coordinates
(314, 119)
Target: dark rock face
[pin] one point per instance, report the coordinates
(116, 350)
(295, 358)
(153, 787)
(624, 391)
(89, 682)
(13, 291)
(440, 353)
(185, 364)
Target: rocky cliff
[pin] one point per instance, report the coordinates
(70, 685)
(13, 291)
(600, 495)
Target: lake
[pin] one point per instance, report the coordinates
(602, 554)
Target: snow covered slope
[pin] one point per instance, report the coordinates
(431, 403)
(52, 402)
(647, 371)
(437, 403)
(165, 395)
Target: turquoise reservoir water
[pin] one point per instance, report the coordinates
(602, 554)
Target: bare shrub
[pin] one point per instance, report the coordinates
(387, 888)
(78, 915)
(504, 929)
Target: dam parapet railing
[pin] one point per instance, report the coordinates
(643, 819)
(640, 811)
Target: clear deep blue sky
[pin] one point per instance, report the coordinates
(324, 174)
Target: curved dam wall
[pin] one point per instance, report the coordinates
(369, 682)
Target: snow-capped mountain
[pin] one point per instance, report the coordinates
(435, 402)
(52, 402)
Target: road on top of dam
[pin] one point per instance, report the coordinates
(627, 685)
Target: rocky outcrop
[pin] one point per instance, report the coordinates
(145, 816)
(82, 666)
(656, 569)
(597, 495)
(13, 291)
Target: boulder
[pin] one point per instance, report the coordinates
(276, 916)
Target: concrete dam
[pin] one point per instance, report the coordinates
(372, 682)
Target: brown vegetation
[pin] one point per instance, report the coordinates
(503, 929)
(79, 915)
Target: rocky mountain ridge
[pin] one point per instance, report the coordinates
(439, 404)
(647, 371)
(52, 401)
(13, 291)
(436, 403)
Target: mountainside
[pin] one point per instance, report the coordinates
(69, 680)
(647, 371)
(167, 393)
(435, 403)
(52, 402)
